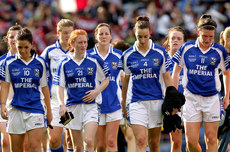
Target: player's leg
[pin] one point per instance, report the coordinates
(55, 134)
(35, 139)
(68, 141)
(111, 135)
(100, 138)
(16, 142)
(55, 139)
(176, 140)
(90, 130)
(5, 143)
(154, 135)
(192, 136)
(129, 137)
(77, 139)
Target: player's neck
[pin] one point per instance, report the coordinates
(143, 48)
(103, 49)
(203, 47)
(78, 56)
(26, 58)
(13, 51)
(64, 46)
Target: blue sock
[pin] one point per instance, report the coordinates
(59, 149)
(147, 148)
(85, 150)
(69, 150)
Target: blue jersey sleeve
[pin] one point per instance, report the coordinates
(120, 64)
(226, 59)
(168, 62)
(2, 70)
(45, 55)
(177, 56)
(59, 73)
(2, 59)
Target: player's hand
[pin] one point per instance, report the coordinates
(4, 112)
(225, 102)
(174, 111)
(63, 110)
(90, 96)
(49, 117)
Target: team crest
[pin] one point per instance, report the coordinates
(36, 72)
(90, 71)
(212, 61)
(156, 62)
(114, 65)
(56, 58)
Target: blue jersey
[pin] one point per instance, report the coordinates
(201, 67)
(111, 96)
(27, 79)
(180, 84)
(145, 70)
(2, 58)
(80, 77)
(53, 55)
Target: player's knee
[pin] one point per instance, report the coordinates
(176, 142)
(111, 142)
(211, 140)
(101, 148)
(192, 143)
(141, 141)
(79, 148)
(55, 142)
(35, 147)
(154, 145)
(129, 137)
(89, 142)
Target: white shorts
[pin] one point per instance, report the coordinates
(110, 117)
(56, 117)
(19, 122)
(198, 108)
(83, 114)
(54, 99)
(146, 113)
(123, 121)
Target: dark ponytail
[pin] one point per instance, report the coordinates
(142, 22)
(206, 22)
